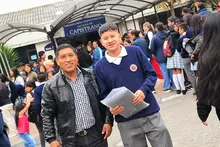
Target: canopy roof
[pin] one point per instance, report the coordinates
(118, 9)
(11, 30)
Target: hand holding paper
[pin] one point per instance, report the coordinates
(139, 97)
(122, 101)
(116, 110)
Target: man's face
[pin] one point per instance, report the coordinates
(95, 45)
(182, 13)
(67, 60)
(145, 28)
(111, 40)
(22, 68)
(170, 23)
(44, 56)
(196, 4)
(35, 65)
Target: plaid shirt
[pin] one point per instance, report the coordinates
(84, 115)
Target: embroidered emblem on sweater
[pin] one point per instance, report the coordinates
(133, 67)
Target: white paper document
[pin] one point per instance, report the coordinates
(124, 97)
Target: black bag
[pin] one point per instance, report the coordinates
(32, 112)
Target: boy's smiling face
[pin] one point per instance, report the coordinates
(111, 40)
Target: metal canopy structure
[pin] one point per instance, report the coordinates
(10, 30)
(118, 9)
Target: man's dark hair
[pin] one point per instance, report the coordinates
(63, 46)
(185, 10)
(39, 60)
(171, 19)
(201, 6)
(107, 27)
(159, 26)
(50, 57)
(21, 64)
(135, 33)
(42, 77)
(30, 84)
(41, 53)
(183, 26)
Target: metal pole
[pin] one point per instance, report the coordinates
(143, 16)
(4, 65)
(155, 10)
(126, 25)
(134, 22)
(1, 66)
(53, 42)
(7, 61)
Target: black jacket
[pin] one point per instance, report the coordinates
(4, 94)
(58, 102)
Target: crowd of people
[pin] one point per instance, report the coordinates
(22, 92)
(62, 96)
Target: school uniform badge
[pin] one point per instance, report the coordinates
(133, 67)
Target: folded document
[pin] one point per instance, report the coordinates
(124, 97)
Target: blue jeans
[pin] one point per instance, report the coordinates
(167, 76)
(28, 140)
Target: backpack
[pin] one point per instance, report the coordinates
(32, 111)
(168, 47)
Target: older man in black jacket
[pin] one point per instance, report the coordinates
(72, 97)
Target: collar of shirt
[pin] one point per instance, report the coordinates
(116, 60)
(183, 34)
(77, 70)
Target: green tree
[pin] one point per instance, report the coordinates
(11, 55)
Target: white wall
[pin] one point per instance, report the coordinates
(40, 47)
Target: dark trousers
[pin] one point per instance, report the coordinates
(39, 125)
(93, 138)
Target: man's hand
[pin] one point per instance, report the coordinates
(139, 97)
(55, 144)
(107, 130)
(116, 110)
(205, 123)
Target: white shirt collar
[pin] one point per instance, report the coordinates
(183, 34)
(116, 60)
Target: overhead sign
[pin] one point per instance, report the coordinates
(84, 26)
(48, 47)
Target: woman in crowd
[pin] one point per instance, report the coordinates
(11, 86)
(31, 76)
(42, 68)
(16, 77)
(196, 24)
(175, 61)
(7, 108)
(208, 93)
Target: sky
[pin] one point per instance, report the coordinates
(16, 5)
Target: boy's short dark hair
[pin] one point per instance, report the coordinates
(39, 60)
(201, 6)
(185, 10)
(42, 77)
(107, 27)
(135, 33)
(183, 26)
(159, 26)
(50, 57)
(40, 54)
(171, 19)
(21, 64)
(63, 46)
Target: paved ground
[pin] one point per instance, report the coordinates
(179, 113)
